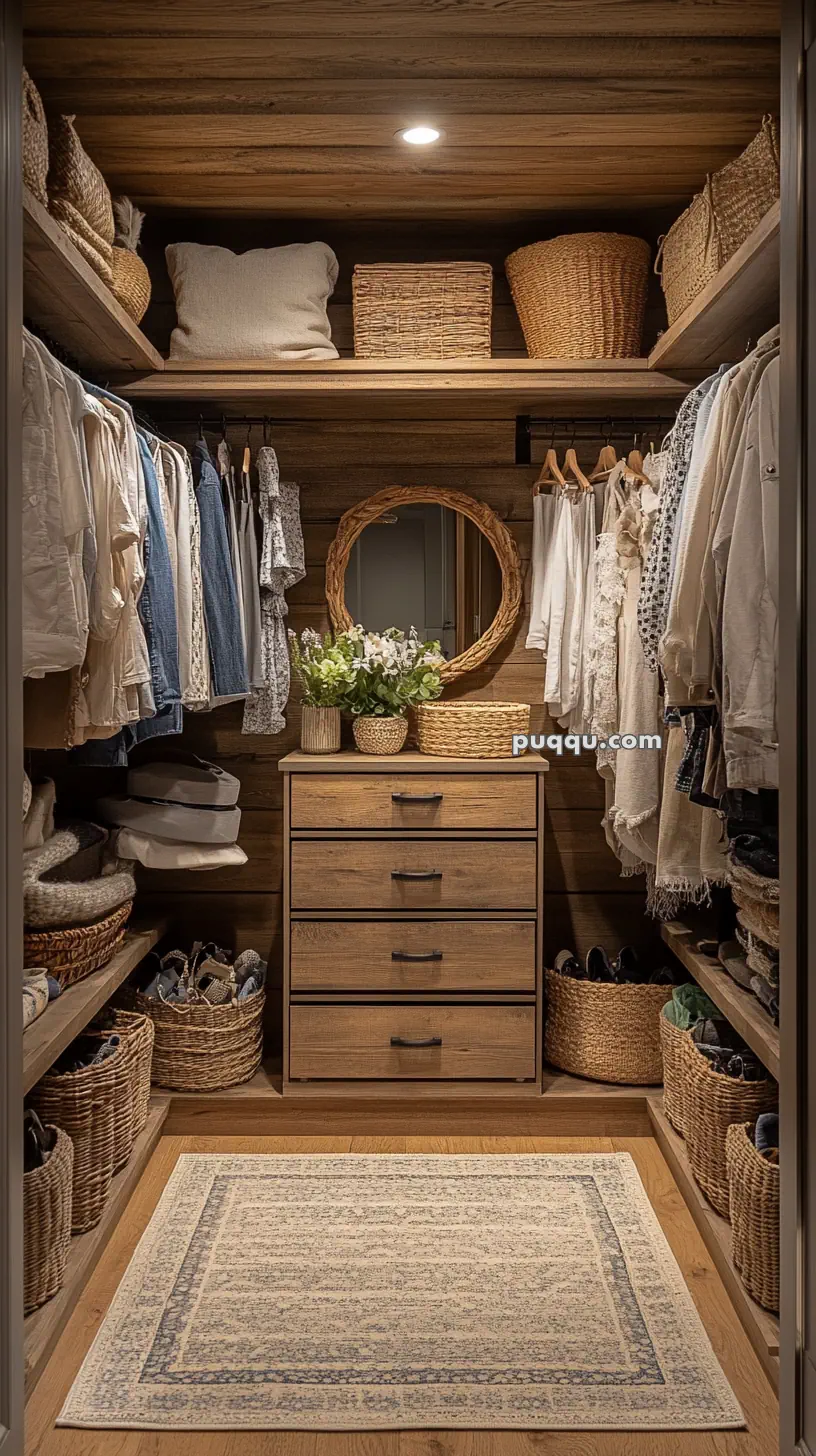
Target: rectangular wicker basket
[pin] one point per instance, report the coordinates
(422, 310)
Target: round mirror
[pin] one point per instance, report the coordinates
(432, 559)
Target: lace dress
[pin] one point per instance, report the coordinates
(282, 564)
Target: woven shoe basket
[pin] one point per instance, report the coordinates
(72, 954)
(132, 1092)
(604, 1031)
(422, 310)
(672, 1046)
(199, 1047)
(713, 1102)
(470, 730)
(753, 1185)
(47, 1223)
(581, 296)
(83, 1104)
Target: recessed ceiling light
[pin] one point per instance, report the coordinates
(419, 136)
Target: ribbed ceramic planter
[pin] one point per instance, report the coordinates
(380, 735)
(320, 730)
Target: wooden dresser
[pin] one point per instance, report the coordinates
(413, 905)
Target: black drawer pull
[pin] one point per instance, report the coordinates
(416, 798)
(416, 874)
(416, 955)
(405, 1041)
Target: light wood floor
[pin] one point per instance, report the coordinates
(726, 1334)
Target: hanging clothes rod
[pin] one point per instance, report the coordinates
(569, 430)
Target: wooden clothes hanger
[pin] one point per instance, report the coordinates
(573, 469)
(634, 464)
(550, 473)
(606, 462)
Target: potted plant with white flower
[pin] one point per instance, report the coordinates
(324, 668)
(392, 673)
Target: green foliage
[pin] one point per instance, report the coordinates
(369, 674)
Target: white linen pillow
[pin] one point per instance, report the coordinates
(269, 303)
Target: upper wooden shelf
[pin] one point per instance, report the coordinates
(65, 298)
(741, 1008)
(738, 305)
(342, 386)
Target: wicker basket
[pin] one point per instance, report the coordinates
(672, 1047)
(132, 1094)
(83, 1105)
(79, 198)
(380, 735)
(713, 1102)
(203, 1048)
(130, 282)
(422, 310)
(753, 1185)
(470, 730)
(47, 1223)
(719, 219)
(35, 141)
(581, 296)
(71, 955)
(604, 1031)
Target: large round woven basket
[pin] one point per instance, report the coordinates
(131, 282)
(470, 730)
(35, 141)
(581, 296)
(380, 735)
(713, 1102)
(78, 951)
(604, 1031)
(83, 1104)
(47, 1223)
(753, 1185)
(203, 1048)
(672, 1044)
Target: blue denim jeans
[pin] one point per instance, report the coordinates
(227, 655)
(157, 604)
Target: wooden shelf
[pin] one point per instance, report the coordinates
(64, 1018)
(738, 305)
(746, 1014)
(42, 1329)
(65, 297)
(761, 1327)
(503, 387)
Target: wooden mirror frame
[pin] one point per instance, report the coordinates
(354, 522)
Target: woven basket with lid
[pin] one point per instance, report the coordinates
(581, 296)
(469, 729)
(422, 310)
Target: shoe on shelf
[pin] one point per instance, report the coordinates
(626, 967)
(597, 965)
(566, 963)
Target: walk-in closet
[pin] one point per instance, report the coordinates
(406, 688)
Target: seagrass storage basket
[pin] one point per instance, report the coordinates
(422, 310)
(79, 198)
(76, 952)
(132, 1093)
(581, 296)
(199, 1047)
(130, 282)
(753, 1184)
(47, 1223)
(83, 1104)
(719, 219)
(470, 730)
(713, 1102)
(35, 141)
(604, 1031)
(672, 1047)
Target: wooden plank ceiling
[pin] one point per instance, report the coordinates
(290, 107)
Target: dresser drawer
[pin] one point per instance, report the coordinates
(413, 955)
(413, 801)
(461, 1041)
(413, 874)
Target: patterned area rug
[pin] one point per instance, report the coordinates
(394, 1291)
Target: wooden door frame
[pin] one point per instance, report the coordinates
(11, 739)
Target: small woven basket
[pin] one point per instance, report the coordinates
(380, 735)
(47, 1223)
(319, 730)
(604, 1031)
(130, 282)
(35, 141)
(470, 730)
(83, 1105)
(689, 256)
(71, 955)
(132, 1094)
(672, 1045)
(713, 1102)
(203, 1048)
(422, 310)
(581, 296)
(753, 1185)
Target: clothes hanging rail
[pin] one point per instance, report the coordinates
(574, 429)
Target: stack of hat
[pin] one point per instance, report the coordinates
(753, 874)
(181, 815)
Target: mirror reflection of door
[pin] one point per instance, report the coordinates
(424, 566)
